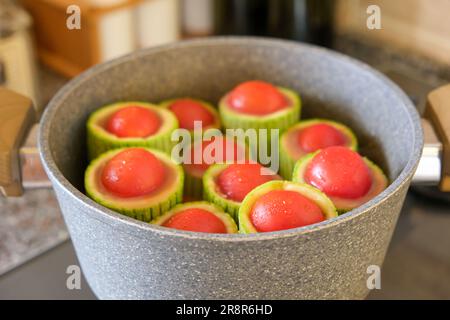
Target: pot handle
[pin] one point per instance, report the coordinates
(16, 117)
(436, 127)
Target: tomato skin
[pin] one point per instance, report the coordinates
(283, 209)
(256, 98)
(320, 136)
(133, 172)
(237, 180)
(196, 220)
(187, 111)
(339, 172)
(133, 122)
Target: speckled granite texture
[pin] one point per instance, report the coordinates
(29, 226)
(125, 258)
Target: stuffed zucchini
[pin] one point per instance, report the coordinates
(130, 124)
(311, 135)
(141, 183)
(281, 205)
(343, 175)
(260, 105)
(189, 111)
(203, 153)
(226, 185)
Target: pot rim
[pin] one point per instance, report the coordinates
(118, 220)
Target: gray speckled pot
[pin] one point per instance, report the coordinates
(125, 258)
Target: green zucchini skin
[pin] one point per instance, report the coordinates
(344, 205)
(99, 140)
(287, 162)
(211, 194)
(217, 211)
(137, 208)
(193, 186)
(245, 224)
(280, 120)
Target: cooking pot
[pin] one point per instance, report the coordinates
(123, 258)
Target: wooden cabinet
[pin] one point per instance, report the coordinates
(109, 28)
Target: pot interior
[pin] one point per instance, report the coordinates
(331, 86)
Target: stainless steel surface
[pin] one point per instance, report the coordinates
(33, 174)
(428, 172)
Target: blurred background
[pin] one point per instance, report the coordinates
(67, 37)
(44, 43)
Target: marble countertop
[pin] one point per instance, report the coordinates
(29, 226)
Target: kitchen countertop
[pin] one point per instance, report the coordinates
(417, 264)
(29, 226)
